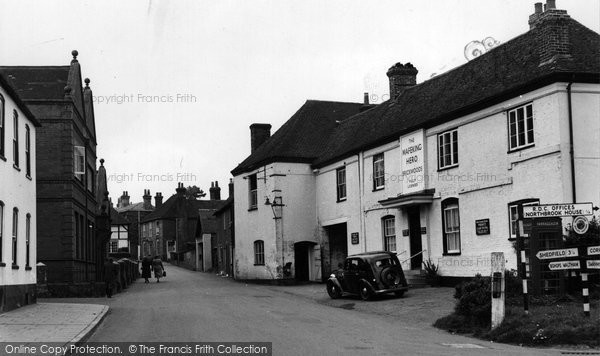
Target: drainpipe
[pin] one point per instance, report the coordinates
(571, 150)
(361, 192)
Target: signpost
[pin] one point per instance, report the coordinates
(563, 253)
(557, 210)
(593, 264)
(562, 265)
(593, 250)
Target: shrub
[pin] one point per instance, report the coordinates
(474, 300)
(432, 272)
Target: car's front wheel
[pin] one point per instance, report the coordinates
(333, 290)
(365, 291)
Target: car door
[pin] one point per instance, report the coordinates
(351, 275)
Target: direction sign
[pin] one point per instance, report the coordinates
(593, 264)
(563, 253)
(564, 265)
(593, 250)
(557, 210)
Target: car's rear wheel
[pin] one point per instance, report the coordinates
(365, 291)
(391, 277)
(333, 290)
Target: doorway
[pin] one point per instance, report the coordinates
(414, 226)
(335, 250)
(302, 260)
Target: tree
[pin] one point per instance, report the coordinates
(194, 193)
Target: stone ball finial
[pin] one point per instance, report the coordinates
(102, 161)
(87, 82)
(74, 53)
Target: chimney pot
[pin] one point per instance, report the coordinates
(158, 200)
(366, 99)
(538, 7)
(214, 191)
(259, 133)
(550, 4)
(231, 188)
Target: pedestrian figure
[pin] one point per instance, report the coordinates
(147, 268)
(110, 276)
(158, 268)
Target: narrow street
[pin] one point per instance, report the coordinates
(197, 307)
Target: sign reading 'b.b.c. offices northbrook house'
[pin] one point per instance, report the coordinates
(412, 156)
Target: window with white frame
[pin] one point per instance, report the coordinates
(341, 183)
(259, 252)
(513, 214)
(27, 151)
(113, 246)
(451, 223)
(252, 192)
(16, 138)
(378, 171)
(448, 149)
(389, 233)
(520, 127)
(79, 162)
(2, 126)
(1, 232)
(15, 231)
(27, 240)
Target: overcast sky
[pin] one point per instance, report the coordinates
(177, 83)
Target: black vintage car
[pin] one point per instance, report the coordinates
(368, 274)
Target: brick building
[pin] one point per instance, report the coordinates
(182, 230)
(225, 230)
(67, 206)
(133, 214)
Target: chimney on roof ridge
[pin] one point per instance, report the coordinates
(259, 133)
(402, 77)
(123, 200)
(180, 189)
(551, 31)
(214, 191)
(231, 188)
(147, 199)
(158, 200)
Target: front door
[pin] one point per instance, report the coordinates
(414, 226)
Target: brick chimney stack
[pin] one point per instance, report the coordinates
(552, 31)
(402, 77)
(147, 199)
(180, 189)
(231, 188)
(214, 191)
(158, 200)
(259, 133)
(123, 200)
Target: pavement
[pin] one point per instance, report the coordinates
(62, 323)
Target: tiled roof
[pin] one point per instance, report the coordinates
(178, 206)
(17, 99)
(134, 207)
(46, 82)
(508, 70)
(303, 137)
(118, 219)
(227, 203)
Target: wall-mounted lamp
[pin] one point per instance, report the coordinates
(277, 206)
